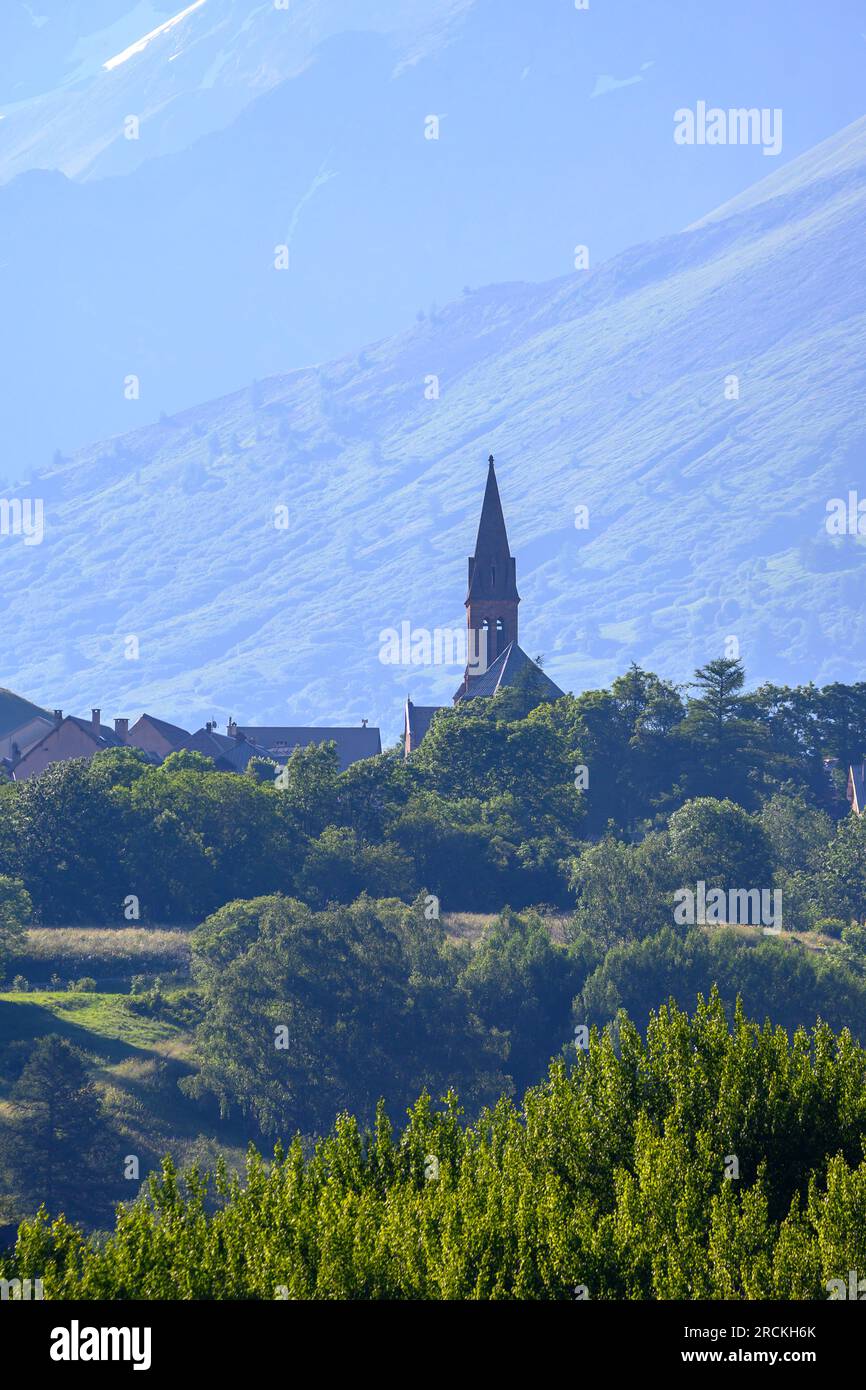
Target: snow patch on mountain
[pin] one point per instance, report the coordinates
(141, 44)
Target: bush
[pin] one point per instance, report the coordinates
(831, 926)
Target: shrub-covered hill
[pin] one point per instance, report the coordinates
(707, 1161)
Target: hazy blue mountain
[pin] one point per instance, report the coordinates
(305, 127)
(73, 72)
(604, 389)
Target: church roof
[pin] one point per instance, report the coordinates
(506, 670)
(857, 788)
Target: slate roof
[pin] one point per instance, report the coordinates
(353, 743)
(229, 754)
(506, 670)
(172, 732)
(417, 721)
(105, 738)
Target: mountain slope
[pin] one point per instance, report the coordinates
(183, 67)
(707, 514)
(307, 128)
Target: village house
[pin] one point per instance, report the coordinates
(21, 725)
(156, 736)
(68, 737)
(47, 739)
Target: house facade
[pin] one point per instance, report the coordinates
(21, 725)
(68, 737)
(156, 736)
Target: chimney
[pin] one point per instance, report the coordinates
(363, 723)
(231, 728)
(121, 728)
(58, 716)
(94, 719)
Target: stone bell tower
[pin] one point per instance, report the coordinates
(492, 597)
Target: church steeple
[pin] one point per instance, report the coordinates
(492, 597)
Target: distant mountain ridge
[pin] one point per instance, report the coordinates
(119, 59)
(605, 390)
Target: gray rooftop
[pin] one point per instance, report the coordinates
(506, 670)
(352, 744)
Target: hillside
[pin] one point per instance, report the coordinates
(15, 711)
(707, 515)
(153, 155)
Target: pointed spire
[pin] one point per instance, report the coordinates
(492, 536)
(491, 568)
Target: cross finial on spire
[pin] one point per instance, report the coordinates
(490, 460)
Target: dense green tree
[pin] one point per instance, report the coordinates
(371, 793)
(308, 786)
(719, 843)
(324, 1010)
(339, 866)
(726, 745)
(798, 833)
(522, 984)
(774, 979)
(16, 911)
(120, 767)
(58, 1148)
(623, 891)
(201, 837)
(842, 715)
(263, 770)
(842, 876)
(67, 844)
(614, 1178)
(793, 740)
(502, 795)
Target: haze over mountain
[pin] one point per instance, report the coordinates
(77, 71)
(604, 388)
(258, 127)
